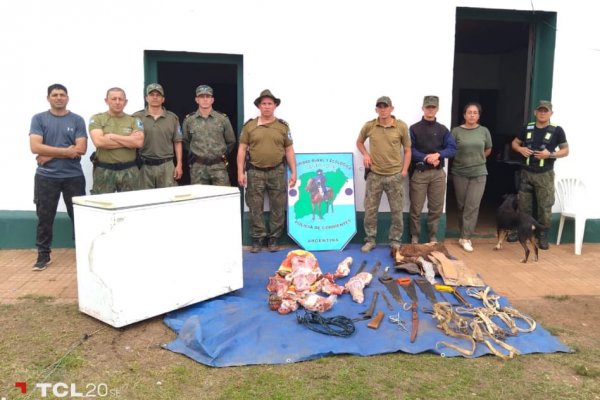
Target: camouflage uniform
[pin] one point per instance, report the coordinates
(208, 141)
(266, 173)
(115, 169)
(157, 154)
(385, 144)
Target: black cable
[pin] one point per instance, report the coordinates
(334, 326)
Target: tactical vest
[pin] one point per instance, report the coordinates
(429, 137)
(550, 129)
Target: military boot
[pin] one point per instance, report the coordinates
(543, 239)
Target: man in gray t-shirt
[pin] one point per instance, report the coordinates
(59, 139)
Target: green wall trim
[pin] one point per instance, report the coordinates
(17, 230)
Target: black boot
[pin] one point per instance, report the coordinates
(543, 239)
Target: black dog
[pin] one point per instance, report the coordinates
(509, 219)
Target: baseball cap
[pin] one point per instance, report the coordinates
(544, 104)
(431, 101)
(204, 89)
(155, 86)
(385, 100)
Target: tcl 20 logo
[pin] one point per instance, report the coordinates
(61, 389)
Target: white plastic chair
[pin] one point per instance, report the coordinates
(570, 193)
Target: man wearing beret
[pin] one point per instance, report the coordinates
(268, 141)
(432, 144)
(209, 138)
(387, 159)
(162, 142)
(537, 144)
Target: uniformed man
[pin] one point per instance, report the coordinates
(387, 159)
(268, 141)
(116, 136)
(432, 143)
(162, 142)
(209, 138)
(537, 143)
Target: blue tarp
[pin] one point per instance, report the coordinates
(239, 329)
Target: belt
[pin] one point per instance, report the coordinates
(265, 169)
(116, 166)
(421, 166)
(206, 161)
(154, 161)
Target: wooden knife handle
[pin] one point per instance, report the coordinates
(375, 322)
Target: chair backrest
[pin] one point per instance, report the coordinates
(570, 193)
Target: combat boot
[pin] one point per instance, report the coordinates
(256, 246)
(543, 239)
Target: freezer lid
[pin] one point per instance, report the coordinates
(112, 201)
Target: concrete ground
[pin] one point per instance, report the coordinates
(558, 272)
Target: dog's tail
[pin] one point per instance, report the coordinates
(536, 225)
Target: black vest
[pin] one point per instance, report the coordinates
(428, 136)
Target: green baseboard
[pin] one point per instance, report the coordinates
(17, 230)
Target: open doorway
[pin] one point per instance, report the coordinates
(498, 62)
(180, 73)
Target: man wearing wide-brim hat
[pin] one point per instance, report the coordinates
(537, 143)
(265, 146)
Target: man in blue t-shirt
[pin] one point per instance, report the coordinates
(59, 139)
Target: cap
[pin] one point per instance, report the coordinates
(204, 89)
(544, 104)
(431, 101)
(155, 87)
(385, 100)
(266, 93)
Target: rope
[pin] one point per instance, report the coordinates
(335, 326)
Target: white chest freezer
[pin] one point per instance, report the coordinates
(147, 252)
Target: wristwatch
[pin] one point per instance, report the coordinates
(552, 155)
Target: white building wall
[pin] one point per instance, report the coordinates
(327, 60)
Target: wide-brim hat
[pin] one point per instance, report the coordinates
(266, 93)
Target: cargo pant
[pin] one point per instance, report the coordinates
(273, 183)
(541, 187)
(469, 191)
(110, 181)
(392, 185)
(431, 185)
(46, 194)
(215, 174)
(157, 176)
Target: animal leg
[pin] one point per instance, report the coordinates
(526, 248)
(501, 237)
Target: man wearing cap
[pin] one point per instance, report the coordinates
(209, 138)
(432, 144)
(116, 136)
(537, 143)
(162, 141)
(268, 141)
(387, 161)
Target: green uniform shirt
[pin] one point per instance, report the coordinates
(470, 159)
(124, 126)
(159, 134)
(210, 137)
(267, 143)
(386, 145)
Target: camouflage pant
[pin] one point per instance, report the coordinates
(273, 183)
(209, 174)
(110, 181)
(157, 176)
(431, 185)
(393, 187)
(46, 194)
(541, 187)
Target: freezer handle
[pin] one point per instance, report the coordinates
(99, 203)
(180, 197)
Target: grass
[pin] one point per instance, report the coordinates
(44, 342)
